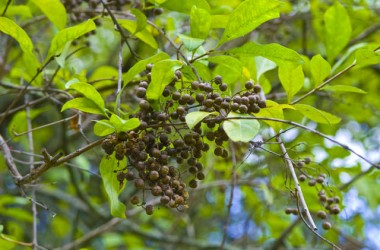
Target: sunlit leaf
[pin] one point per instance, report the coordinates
(193, 118)
(316, 114)
(337, 30)
(185, 6)
(344, 88)
(320, 69)
(83, 104)
(162, 75)
(141, 19)
(140, 66)
(366, 57)
(247, 16)
(292, 80)
(241, 129)
(263, 65)
(10, 28)
(200, 22)
(112, 186)
(89, 92)
(144, 35)
(190, 42)
(54, 11)
(277, 53)
(122, 125)
(274, 110)
(103, 127)
(69, 34)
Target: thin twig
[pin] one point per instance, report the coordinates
(357, 177)
(55, 161)
(231, 197)
(9, 160)
(324, 83)
(119, 77)
(298, 189)
(6, 7)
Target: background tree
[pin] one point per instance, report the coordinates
(189, 124)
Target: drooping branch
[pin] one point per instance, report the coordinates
(9, 160)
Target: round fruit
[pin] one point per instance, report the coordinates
(326, 225)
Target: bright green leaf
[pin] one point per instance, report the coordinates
(89, 92)
(274, 110)
(162, 75)
(191, 43)
(193, 118)
(316, 114)
(103, 128)
(277, 53)
(141, 19)
(344, 88)
(140, 66)
(241, 129)
(185, 6)
(365, 57)
(54, 11)
(337, 30)
(67, 35)
(9, 27)
(200, 22)
(247, 16)
(320, 69)
(144, 35)
(83, 104)
(228, 67)
(19, 10)
(219, 21)
(292, 80)
(112, 186)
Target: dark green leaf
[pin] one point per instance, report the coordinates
(337, 30)
(112, 186)
(54, 11)
(316, 114)
(320, 69)
(162, 75)
(241, 129)
(200, 22)
(247, 16)
(67, 35)
(277, 53)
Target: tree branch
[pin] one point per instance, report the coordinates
(9, 160)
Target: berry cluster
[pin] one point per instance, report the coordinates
(163, 142)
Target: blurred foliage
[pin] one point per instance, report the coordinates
(63, 58)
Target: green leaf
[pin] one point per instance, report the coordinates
(162, 75)
(263, 65)
(122, 125)
(107, 167)
(277, 53)
(241, 129)
(228, 67)
(219, 21)
(337, 30)
(54, 11)
(185, 6)
(193, 118)
(320, 69)
(344, 88)
(89, 92)
(365, 57)
(191, 43)
(247, 16)
(200, 22)
(274, 110)
(67, 35)
(144, 35)
(141, 19)
(292, 80)
(140, 66)
(103, 128)
(83, 104)
(19, 10)
(10, 28)
(316, 114)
